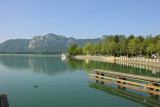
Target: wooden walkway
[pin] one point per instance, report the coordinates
(152, 87)
(127, 75)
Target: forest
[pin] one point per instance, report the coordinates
(120, 45)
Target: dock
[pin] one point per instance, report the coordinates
(144, 83)
(4, 100)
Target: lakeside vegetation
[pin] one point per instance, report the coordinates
(120, 45)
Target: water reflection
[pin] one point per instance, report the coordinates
(53, 64)
(151, 68)
(149, 101)
(49, 64)
(118, 67)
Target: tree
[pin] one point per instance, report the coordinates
(134, 46)
(116, 38)
(72, 50)
(158, 44)
(98, 48)
(108, 46)
(128, 40)
(122, 44)
(149, 44)
(87, 48)
(80, 50)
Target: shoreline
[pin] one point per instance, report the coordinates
(112, 59)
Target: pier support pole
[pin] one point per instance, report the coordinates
(102, 78)
(118, 77)
(151, 83)
(102, 75)
(123, 78)
(155, 84)
(150, 94)
(97, 73)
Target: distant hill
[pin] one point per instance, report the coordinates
(47, 43)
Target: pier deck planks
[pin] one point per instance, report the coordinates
(146, 78)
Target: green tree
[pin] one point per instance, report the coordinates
(122, 44)
(134, 46)
(80, 50)
(116, 38)
(109, 46)
(98, 48)
(149, 44)
(88, 48)
(72, 50)
(128, 40)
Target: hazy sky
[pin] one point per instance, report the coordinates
(78, 18)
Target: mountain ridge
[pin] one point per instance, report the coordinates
(47, 43)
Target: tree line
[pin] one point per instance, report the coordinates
(117, 45)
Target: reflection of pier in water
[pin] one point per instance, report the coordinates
(144, 83)
(154, 70)
(149, 101)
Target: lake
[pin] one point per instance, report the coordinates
(65, 83)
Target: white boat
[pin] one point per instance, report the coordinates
(63, 55)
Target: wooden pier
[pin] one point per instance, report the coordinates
(4, 100)
(149, 84)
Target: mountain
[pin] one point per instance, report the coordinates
(15, 45)
(47, 43)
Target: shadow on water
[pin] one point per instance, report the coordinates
(75, 64)
(121, 92)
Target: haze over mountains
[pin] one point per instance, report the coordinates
(47, 43)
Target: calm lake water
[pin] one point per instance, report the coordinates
(65, 83)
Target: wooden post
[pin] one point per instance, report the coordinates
(150, 83)
(150, 94)
(155, 84)
(118, 77)
(97, 73)
(123, 78)
(102, 75)
(4, 100)
(0, 102)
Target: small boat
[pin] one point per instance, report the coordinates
(64, 55)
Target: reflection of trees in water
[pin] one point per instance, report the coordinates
(74, 64)
(40, 64)
(151, 68)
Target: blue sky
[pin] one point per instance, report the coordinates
(78, 18)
